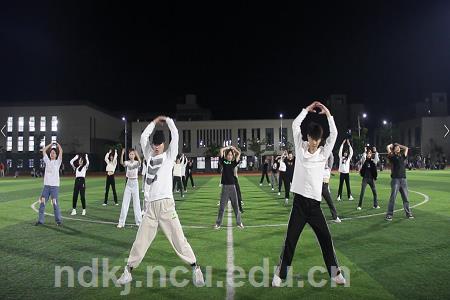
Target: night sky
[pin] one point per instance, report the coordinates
(242, 59)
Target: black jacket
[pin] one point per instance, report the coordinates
(373, 168)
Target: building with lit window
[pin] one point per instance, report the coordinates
(78, 127)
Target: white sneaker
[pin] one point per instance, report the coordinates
(337, 220)
(269, 184)
(74, 212)
(279, 194)
(241, 226)
(377, 207)
(286, 201)
(125, 277)
(358, 208)
(218, 203)
(242, 203)
(182, 196)
(216, 226)
(119, 226)
(117, 204)
(351, 198)
(273, 189)
(339, 279)
(83, 213)
(260, 184)
(338, 198)
(198, 277)
(276, 281)
(104, 204)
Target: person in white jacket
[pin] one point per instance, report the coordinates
(159, 203)
(178, 176)
(184, 163)
(344, 169)
(111, 165)
(80, 165)
(131, 188)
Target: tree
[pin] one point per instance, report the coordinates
(212, 150)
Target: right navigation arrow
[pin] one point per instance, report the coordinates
(446, 132)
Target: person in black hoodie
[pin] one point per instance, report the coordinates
(265, 169)
(290, 165)
(369, 175)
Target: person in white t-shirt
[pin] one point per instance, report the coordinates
(159, 203)
(178, 176)
(131, 188)
(111, 165)
(51, 183)
(307, 188)
(80, 165)
(344, 169)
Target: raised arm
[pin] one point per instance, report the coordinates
(405, 149)
(145, 143)
(296, 130)
(222, 151)
(115, 157)
(121, 157)
(330, 161)
(107, 156)
(238, 153)
(173, 146)
(389, 149)
(73, 160)
(351, 150)
(138, 157)
(60, 149)
(331, 140)
(87, 160)
(340, 150)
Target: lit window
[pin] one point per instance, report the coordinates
(9, 163)
(200, 163)
(20, 143)
(53, 139)
(10, 124)
(42, 143)
(54, 123)
(9, 143)
(31, 124)
(43, 126)
(214, 162)
(31, 163)
(31, 143)
(21, 122)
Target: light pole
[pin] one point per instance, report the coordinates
(281, 132)
(364, 115)
(125, 121)
(389, 124)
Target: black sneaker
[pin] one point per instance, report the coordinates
(388, 218)
(58, 224)
(38, 223)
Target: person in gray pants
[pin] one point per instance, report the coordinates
(369, 175)
(229, 159)
(398, 179)
(326, 188)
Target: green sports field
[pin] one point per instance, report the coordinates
(386, 260)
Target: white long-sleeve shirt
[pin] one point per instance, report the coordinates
(328, 168)
(80, 172)
(183, 166)
(309, 167)
(344, 163)
(158, 183)
(177, 170)
(111, 165)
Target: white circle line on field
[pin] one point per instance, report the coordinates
(425, 200)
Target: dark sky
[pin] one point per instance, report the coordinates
(242, 59)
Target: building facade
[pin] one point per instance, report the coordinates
(79, 128)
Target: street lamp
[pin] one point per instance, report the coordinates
(389, 124)
(364, 115)
(281, 131)
(125, 121)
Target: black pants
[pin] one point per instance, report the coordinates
(326, 195)
(189, 175)
(284, 178)
(371, 183)
(264, 173)
(79, 188)
(178, 184)
(238, 192)
(305, 210)
(344, 177)
(110, 182)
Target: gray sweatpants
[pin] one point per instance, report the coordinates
(228, 193)
(399, 184)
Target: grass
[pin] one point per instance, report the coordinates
(387, 260)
